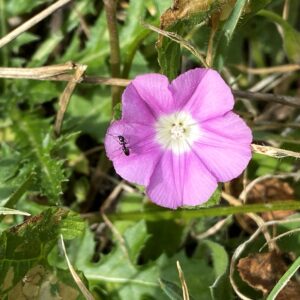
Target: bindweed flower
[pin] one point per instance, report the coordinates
(179, 139)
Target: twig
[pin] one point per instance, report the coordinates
(274, 125)
(60, 73)
(31, 22)
(212, 230)
(66, 96)
(185, 291)
(286, 100)
(256, 218)
(178, 39)
(249, 187)
(115, 58)
(40, 73)
(75, 276)
(112, 196)
(290, 232)
(270, 70)
(274, 152)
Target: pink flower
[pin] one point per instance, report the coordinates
(179, 139)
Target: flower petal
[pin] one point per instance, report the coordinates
(184, 86)
(144, 153)
(180, 180)
(154, 90)
(224, 146)
(134, 109)
(203, 93)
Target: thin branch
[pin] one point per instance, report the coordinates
(87, 294)
(269, 70)
(31, 22)
(61, 73)
(115, 57)
(185, 291)
(250, 186)
(212, 230)
(180, 40)
(256, 218)
(286, 100)
(66, 96)
(40, 73)
(274, 152)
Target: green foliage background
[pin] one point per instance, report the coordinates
(55, 179)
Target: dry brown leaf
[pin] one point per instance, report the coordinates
(290, 292)
(184, 9)
(271, 190)
(261, 271)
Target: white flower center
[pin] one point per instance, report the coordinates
(177, 131)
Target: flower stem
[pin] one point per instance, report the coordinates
(206, 212)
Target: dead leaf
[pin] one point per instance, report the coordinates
(272, 190)
(262, 271)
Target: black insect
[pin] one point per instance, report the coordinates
(124, 144)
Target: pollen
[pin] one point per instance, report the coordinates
(177, 132)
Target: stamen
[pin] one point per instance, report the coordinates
(177, 132)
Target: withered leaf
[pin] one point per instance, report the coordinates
(263, 270)
(272, 190)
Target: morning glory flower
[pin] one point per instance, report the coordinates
(179, 139)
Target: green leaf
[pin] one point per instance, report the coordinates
(165, 237)
(225, 34)
(171, 290)
(117, 271)
(180, 18)
(15, 180)
(43, 282)
(34, 136)
(16, 7)
(24, 246)
(23, 39)
(45, 49)
(220, 289)
(197, 272)
(291, 37)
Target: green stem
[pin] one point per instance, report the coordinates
(205, 212)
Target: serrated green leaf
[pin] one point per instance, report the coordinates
(28, 244)
(118, 269)
(36, 141)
